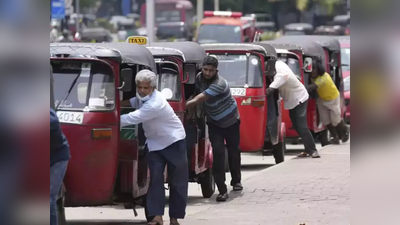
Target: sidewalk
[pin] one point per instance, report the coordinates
(299, 191)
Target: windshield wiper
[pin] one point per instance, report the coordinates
(69, 91)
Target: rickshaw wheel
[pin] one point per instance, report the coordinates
(279, 151)
(207, 183)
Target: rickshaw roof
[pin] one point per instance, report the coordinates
(190, 52)
(328, 42)
(263, 48)
(294, 26)
(121, 51)
(309, 48)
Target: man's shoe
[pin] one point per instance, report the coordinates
(222, 197)
(238, 187)
(335, 141)
(315, 155)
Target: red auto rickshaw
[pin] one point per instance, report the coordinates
(244, 66)
(307, 48)
(178, 64)
(108, 164)
(295, 55)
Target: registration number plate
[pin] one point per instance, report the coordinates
(70, 117)
(238, 91)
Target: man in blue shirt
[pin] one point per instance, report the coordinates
(165, 136)
(59, 157)
(223, 122)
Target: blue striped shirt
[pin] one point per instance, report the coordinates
(221, 108)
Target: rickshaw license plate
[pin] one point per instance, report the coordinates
(70, 117)
(238, 91)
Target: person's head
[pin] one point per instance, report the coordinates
(210, 67)
(146, 83)
(317, 68)
(270, 68)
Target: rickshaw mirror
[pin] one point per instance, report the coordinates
(126, 80)
(308, 64)
(189, 70)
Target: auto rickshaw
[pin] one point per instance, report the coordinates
(295, 55)
(245, 67)
(177, 67)
(108, 164)
(298, 29)
(331, 47)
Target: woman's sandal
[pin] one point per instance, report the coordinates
(303, 155)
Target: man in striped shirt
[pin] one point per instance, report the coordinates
(223, 123)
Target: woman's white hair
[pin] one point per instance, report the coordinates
(146, 75)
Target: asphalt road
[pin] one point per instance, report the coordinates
(252, 164)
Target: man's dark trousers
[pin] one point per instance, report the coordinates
(175, 157)
(298, 116)
(218, 136)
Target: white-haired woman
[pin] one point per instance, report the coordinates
(166, 144)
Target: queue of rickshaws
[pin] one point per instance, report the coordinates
(245, 67)
(332, 61)
(90, 81)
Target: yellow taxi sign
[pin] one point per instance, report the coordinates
(137, 40)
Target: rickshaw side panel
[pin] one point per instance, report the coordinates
(253, 120)
(93, 164)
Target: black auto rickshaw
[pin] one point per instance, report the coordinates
(298, 29)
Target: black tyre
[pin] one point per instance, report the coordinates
(324, 138)
(207, 183)
(279, 151)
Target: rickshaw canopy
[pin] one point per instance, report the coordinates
(330, 43)
(190, 52)
(120, 51)
(308, 48)
(263, 48)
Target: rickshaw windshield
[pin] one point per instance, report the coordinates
(94, 89)
(294, 65)
(240, 70)
(225, 34)
(345, 57)
(168, 82)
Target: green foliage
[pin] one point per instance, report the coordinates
(88, 3)
(266, 36)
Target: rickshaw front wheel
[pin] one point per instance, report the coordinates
(207, 183)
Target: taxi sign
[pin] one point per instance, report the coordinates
(137, 40)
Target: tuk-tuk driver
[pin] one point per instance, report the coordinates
(328, 102)
(223, 122)
(166, 143)
(295, 97)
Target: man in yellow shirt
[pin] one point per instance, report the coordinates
(328, 103)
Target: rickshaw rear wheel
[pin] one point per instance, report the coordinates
(279, 151)
(207, 183)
